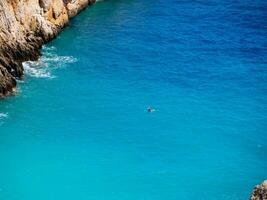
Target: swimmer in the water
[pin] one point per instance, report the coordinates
(149, 109)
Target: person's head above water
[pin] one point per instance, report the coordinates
(149, 109)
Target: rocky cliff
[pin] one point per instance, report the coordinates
(24, 26)
(260, 192)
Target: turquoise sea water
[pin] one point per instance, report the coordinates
(78, 127)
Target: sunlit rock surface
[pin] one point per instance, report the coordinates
(260, 192)
(24, 26)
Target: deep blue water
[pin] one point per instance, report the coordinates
(78, 127)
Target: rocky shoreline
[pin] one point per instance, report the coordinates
(260, 192)
(25, 25)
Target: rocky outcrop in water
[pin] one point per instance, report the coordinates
(24, 26)
(260, 192)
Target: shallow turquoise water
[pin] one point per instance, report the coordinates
(78, 128)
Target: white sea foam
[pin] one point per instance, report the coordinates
(46, 48)
(61, 60)
(49, 61)
(36, 69)
(3, 115)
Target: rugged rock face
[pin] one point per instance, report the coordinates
(24, 26)
(260, 192)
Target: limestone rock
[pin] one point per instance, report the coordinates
(7, 83)
(24, 26)
(45, 4)
(260, 192)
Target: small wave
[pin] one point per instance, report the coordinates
(59, 59)
(47, 63)
(3, 115)
(45, 47)
(48, 48)
(36, 69)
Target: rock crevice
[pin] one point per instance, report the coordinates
(25, 25)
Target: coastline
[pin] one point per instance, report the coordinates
(24, 27)
(23, 41)
(259, 191)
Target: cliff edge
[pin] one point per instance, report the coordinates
(24, 26)
(260, 192)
